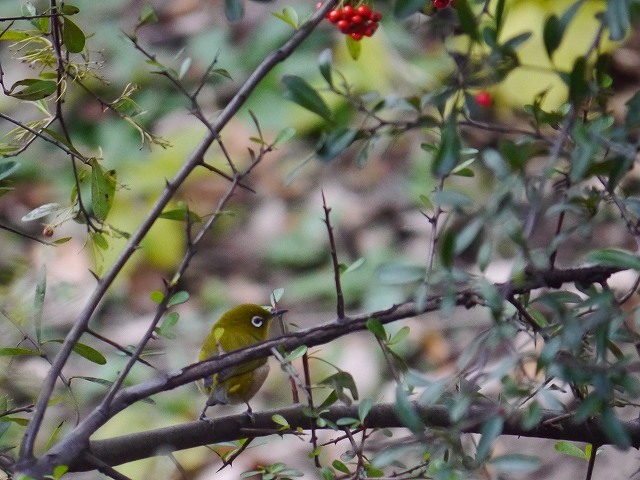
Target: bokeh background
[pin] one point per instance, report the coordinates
(273, 238)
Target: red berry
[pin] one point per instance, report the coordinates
(348, 11)
(356, 36)
(484, 99)
(343, 26)
(334, 15)
(376, 16)
(369, 31)
(357, 19)
(441, 3)
(364, 11)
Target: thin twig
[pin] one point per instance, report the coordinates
(592, 462)
(117, 346)
(334, 259)
(307, 388)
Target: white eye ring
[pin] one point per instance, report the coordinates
(257, 321)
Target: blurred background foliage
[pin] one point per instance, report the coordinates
(274, 237)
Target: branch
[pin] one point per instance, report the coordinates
(69, 449)
(334, 258)
(137, 446)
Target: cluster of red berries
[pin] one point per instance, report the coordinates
(442, 3)
(357, 22)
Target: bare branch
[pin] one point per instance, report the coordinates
(127, 448)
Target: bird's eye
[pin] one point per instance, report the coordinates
(257, 321)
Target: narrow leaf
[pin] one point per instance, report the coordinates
(300, 92)
(41, 211)
(8, 168)
(614, 258)
(233, 10)
(491, 429)
(38, 302)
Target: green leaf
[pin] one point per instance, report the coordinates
(570, 449)
(341, 467)
(184, 67)
(276, 296)
(491, 430)
(405, 411)
(15, 36)
(296, 353)
(42, 211)
(8, 168)
(448, 152)
(289, 16)
(169, 322)
(354, 266)
(34, 89)
(178, 298)
(499, 15)
(467, 20)
(284, 135)
(335, 142)
(59, 470)
(85, 351)
(100, 381)
(614, 429)
(103, 188)
(399, 336)
(578, 85)
(364, 408)
(53, 437)
(89, 353)
(233, 10)
(15, 351)
(325, 64)
(467, 235)
(375, 326)
(354, 47)
(300, 92)
(614, 258)
(552, 35)
(617, 19)
(38, 302)
(280, 420)
(147, 16)
(181, 214)
(340, 381)
(99, 240)
(72, 36)
(68, 9)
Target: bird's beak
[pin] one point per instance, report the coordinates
(278, 313)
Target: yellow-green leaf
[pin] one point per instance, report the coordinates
(103, 188)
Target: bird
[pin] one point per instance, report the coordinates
(240, 326)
